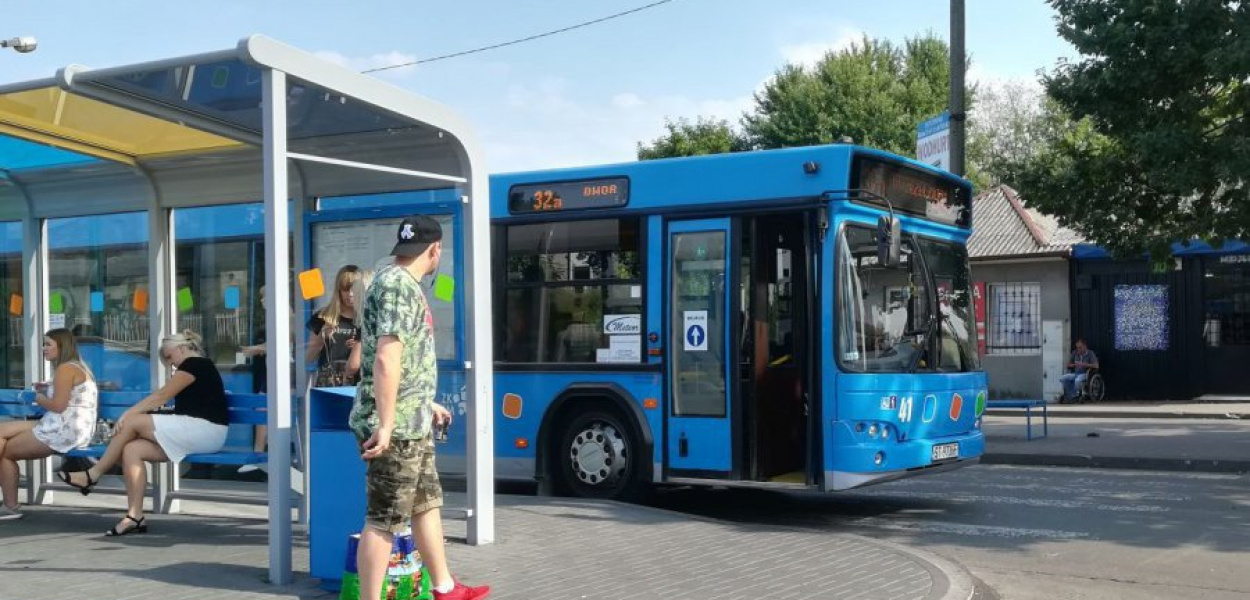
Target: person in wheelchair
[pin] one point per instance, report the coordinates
(1084, 362)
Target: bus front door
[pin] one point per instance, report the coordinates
(699, 432)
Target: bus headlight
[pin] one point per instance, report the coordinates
(879, 459)
(872, 430)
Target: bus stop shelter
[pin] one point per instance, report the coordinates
(261, 120)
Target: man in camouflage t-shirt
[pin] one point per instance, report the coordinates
(395, 411)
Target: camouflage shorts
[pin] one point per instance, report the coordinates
(402, 482)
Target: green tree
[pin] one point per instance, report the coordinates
(1160, 150)
(873, 92)
(1012, 124)
(704, 136)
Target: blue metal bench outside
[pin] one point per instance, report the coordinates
(1028, 406)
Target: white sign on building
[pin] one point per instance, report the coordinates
(933, 141)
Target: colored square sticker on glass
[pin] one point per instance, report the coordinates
(311, 285)
(140, 303)
(444, 288)
(232, 297)
(97, 302)
(185, 301)
(15, 305)
(56, 303)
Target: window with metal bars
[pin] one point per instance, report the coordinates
(1015, 318)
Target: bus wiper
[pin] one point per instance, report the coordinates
(925, 336)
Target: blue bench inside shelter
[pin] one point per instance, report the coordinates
(244, 412)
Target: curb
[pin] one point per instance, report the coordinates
(1200, 465)
(959, 582)
(1059, 413)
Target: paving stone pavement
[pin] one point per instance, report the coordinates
(547, 548)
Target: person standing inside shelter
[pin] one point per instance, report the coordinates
(394, 414)
(1083, 359)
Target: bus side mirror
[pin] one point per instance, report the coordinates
(889, 240)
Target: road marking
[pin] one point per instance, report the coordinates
(1036, 502)
(966, 529)
(1053, 489)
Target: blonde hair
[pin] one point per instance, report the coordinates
(347, 276)
(188, 339)
(359, 289)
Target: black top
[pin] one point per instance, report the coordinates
(205, 398)
(260, 366)
(335, 339)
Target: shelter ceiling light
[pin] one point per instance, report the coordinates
(22, 44)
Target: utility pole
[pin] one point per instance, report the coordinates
(958, 64)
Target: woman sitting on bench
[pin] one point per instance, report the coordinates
(197, 425)
(67, 424)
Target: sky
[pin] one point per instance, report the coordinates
(578, 98)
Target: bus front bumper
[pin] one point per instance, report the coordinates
(866, 464)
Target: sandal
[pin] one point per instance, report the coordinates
(83, 489)
(139, 527)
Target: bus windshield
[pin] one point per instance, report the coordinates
(947, 263)
(883, 311)
(886, 321)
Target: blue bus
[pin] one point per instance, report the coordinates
(798, 318)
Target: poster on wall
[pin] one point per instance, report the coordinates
(1141, 317)
(367, 243)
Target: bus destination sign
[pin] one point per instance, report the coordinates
(568, 195)
(913, 191)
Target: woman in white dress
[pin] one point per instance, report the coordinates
(197, 425)
(70, 404)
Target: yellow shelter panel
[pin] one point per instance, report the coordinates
(53, 116)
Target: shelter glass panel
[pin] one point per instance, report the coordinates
(12, 338)
(367, 244)
(17, 154)
(230, 91)
(219, 267)
(98, 288)
(72, 122)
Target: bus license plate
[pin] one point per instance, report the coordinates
(945, 451)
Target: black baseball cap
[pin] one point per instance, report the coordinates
(415, 234)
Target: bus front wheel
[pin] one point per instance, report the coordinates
(598, 456)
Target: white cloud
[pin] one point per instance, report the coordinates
(980, 76)
(374, 61)
(626, 101)
(809, 53)
(542, 126)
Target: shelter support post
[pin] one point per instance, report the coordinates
(162, 321)
(278, 324)
(34, 322)
(480, 454)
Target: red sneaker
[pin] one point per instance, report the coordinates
(464, 592)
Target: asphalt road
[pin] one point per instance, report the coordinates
(1036, 532)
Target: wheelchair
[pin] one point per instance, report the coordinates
(1094, 388)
